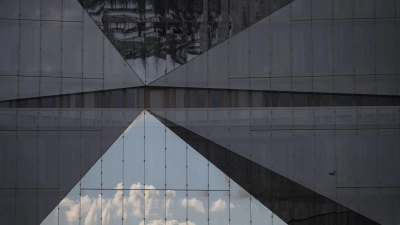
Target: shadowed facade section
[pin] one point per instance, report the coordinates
(292, 202)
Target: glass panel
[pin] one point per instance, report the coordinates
(344, 100)
(134, 155)
(154, 152)
(301, 49)
(92, 49)
(299, 100)
(240, 214)
(343, 42)
(261, 148)
(48, 157)
(239, 55)
(51, 9)
(197, 172)
(72, 49)
(257, 99)
(285, 100)
(27, 144)
(322, 47)
(197, 71)
(197, 210)
(26, 203)
(9, 9)
(385, 9)
(260, 65)
(8, 151)
(133, 204)
(218, 126)
(385, 45)
(282, 153)
(176, 207)
(91, 207)
(180, 98)
(72, 11)
(364, 8)
(117, 100)
(92, 178)
(29, 9)
(321, 9)
(112, 165)
(280, 50)
(46, 201)
(301, 10)
(346, 153)
(389, 158)
(367, 149)
(29, 53)
(90, 151)
(69, 207)
(342, 9)
(9, 43)
(325, 162)
(218, 66)
(175, 161)
(156, 98)
(303, 152)
(154, 205)
(219, 207)
(364, 47)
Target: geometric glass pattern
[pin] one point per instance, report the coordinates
(140, 182)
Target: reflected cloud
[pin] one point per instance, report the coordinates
(168, 222)
(231, 205)
(194, 203)
(218, 206)
(168, 200)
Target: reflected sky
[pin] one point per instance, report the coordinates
(117, 191)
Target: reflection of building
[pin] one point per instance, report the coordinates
(295, 120)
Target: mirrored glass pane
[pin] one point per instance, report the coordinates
(197, 172)
(72, 49)
(280, 50)
(51, 49)
(367, 152)
(29, 53)
(175, 161)
(321, 9)
(303, 151)
(9, 9)
(301, 49)
(342, 9)
(154, 205)
(239, 55)
(219, 207)
(154, 152)
(72, 11)
(29, 9)
(282, 151)
(48, 156)
(91, 207)
(112, 207)
(197, 210)
(322, 47)
(8, 151)
(134, 153)
(133, 205)
(364, 47)
(7, 201)
(51, 9)
(343, 36)
(260, 65)
(385, 46)
(112, 165)
(26, 203)
(9, 43)
(27, 144)
(218, 66)
(346, 158)
(92, 49)
(240, 199)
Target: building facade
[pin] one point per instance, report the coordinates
(200, 112)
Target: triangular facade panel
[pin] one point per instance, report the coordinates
(139, 181)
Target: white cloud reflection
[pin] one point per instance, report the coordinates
(194, 203)
(218, 206)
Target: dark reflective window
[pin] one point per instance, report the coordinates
(57, 102)
(233, 99)
(344, 100)
(75, 101)
(310, 100)
(317, 99)
(225, 99)
(171, 98)
(32, 103)
(47, 102)
(216, 98)
(243, 99)
(180, 98)
(201, 98)
(257, 99)
(140, 98)
(65, 101)
(326, 100)
(284, 100)
(359, 100)
(267, 99)
(299, 100)
(192, 99)
(99, 100)
(384, 100)
(369, 100)
(89, 100)
(275, 99)
(106, 100)
(156, 98)
(117, 99)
